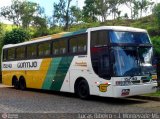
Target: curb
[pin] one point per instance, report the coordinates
(2, 86)
(153, 98)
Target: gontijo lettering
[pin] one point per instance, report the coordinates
(27, 64)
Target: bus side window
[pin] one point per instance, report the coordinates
(99, 38)
(32, 51)
(44, 49)
(63, 46)
(20, 52)
(55, 48)
(78, 44)
(82, 43)
(73, 45)
(5, 55)
(11, 53)
(100, 54)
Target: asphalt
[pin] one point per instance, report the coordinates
(153, 98)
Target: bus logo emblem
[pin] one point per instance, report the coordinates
(103, 87)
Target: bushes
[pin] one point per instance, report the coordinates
(154, 32)
(156, 43)
(15, 36)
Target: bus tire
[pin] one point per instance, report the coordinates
(22, 83)
(15, 82)
(83, 89)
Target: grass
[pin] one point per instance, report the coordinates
(157, 94)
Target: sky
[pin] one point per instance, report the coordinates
(48, 5)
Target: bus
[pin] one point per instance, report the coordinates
(107, 61)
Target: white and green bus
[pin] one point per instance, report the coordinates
(109, 61)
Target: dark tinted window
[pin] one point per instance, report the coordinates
(99, 38)
(78, 44)
(59, 47)
(63, 46)
(129, 37)
(73, 45)
(11, 54)
(44, 49)
(82, 43)
(20, 52)
(32, 51)
(4, 55)
(101, 62)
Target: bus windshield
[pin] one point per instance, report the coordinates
(129, 37)
(132, 61)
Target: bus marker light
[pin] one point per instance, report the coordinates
(96, 82)
(154, 77)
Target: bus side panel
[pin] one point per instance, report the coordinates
(35, 79)
(57, 73)
(7, 76)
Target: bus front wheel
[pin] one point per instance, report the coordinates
(83, 89)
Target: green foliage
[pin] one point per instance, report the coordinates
(156, 94)
(22, 13)
(2, 32)
(12, 13)
(156, 12)
(156, 44)
(143, 5)
(30, 12)
(62, 13)
(90, 11)
(75, 14)
(15, 36)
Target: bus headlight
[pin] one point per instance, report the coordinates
(123, 83)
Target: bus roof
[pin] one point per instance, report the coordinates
(45, 38)
(66, 34)
(118, 28)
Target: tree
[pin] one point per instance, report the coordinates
(41, 27)
(156, 12)
(30, 11)
(103, 8)
(90, 11)
(75, 14)
(135, 9)
(143, 6)
(2, 32)
(114, 4)
(12, 13)
(61, 13)
(130, 5)
(126, 16)
(15, 36)
(22, 13)
(156, 44)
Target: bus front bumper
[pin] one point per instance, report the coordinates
(125, 91)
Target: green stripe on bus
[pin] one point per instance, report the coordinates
(51, 73)
(75, 33)
(61, 73)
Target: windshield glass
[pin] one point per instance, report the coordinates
(125, 61)
(129, 37)
(130, 61)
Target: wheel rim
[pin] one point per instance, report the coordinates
(83, 90)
